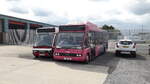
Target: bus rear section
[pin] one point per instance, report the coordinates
(77, 43)
(44, 42)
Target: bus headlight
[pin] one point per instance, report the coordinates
(57, 54)
(34, 51)
(79, 55)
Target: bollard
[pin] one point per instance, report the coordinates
(149, 50)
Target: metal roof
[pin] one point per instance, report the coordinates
(23, 20)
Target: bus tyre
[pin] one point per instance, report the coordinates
(133, 54)
(36, 57)
(117, 53)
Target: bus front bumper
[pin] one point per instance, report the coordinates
(70, 58)
(42, 52)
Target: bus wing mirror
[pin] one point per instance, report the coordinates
(89, 34)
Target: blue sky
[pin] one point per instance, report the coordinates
(123, 14)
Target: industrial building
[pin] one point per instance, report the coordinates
(17, 31)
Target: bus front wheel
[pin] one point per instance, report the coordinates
(35, 56)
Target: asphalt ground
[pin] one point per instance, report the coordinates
(18, 66)
(131, 70)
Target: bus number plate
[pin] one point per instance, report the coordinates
(67, 58)
(42, 54)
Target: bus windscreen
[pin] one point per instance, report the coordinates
(45, 39)
(70, 40)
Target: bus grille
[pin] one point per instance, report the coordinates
(68, 54)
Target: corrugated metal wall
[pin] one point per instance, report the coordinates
(32, 35)
(17, 33)
(0, 25)
(20, 36)
(1, 33)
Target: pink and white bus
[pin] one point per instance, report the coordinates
(80, 42)
(44, 42)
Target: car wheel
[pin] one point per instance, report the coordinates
(117, 53)
(133, 53)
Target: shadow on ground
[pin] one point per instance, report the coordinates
(99, 64)
(129, 57)
(108, 60)
(31, 57)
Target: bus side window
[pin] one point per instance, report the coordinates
(86, 43)
(97, 38)
(90, 39)
(94, 38)
(101, 38)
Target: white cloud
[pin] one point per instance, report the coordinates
(18, 9)
(116, 12)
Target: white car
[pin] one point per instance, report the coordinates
(125, 46)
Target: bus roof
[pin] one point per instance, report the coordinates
(90, 26)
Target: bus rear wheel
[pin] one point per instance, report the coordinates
(104, 50)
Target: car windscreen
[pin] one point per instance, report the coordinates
(125, 42)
